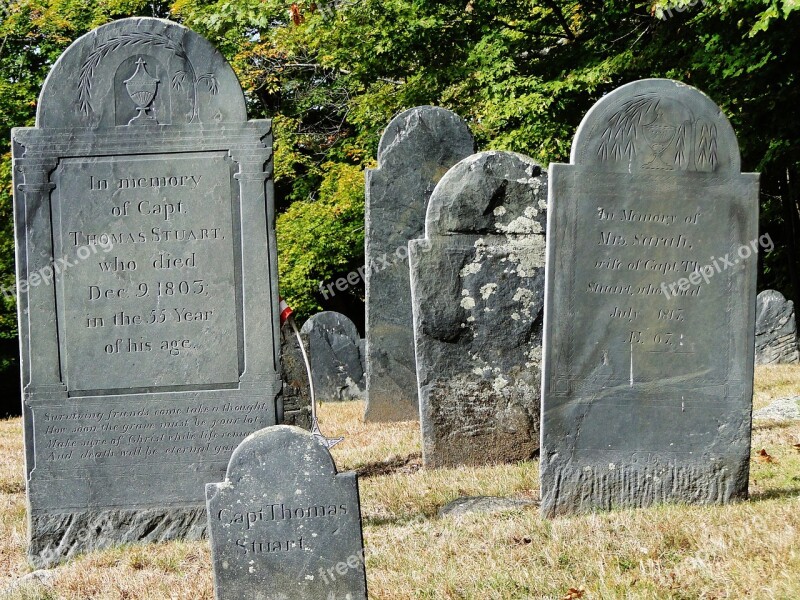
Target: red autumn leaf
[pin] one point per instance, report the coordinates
(574, 593)
(764, 456)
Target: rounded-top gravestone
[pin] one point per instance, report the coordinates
(649, 310)
(477, 287)
(334, 350)
(149, 339)
(417, 148)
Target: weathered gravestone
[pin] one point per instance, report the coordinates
(650, 300)
(284, 524)
(295, 405)
(776, 330)
(416, 150)
(334, 350)
(149, 345)
(477, 286)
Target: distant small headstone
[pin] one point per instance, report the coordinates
(284, 524)
(650, 307)
(334, 350)
(776, 330)
(783, 409)
(477, 286)
(416, 150)
(296, 395)
(148, 333)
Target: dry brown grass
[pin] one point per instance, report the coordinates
(745, 550)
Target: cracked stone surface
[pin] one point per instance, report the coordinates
(477, 286)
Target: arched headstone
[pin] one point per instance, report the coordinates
(334, 350)
(649, 309)
(416, 150)
(146, 269)
(284, 523)
(477, 287)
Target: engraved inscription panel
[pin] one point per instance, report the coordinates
(148, 298)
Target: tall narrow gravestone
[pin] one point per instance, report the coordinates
(284, 524)
(416, 150)
(649, 307)
(477, 286)
(146, 272)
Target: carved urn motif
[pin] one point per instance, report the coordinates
(142, 88)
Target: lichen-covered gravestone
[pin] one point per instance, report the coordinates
(284, 524)
(649, 309)
(146, 269)
(416, 150)
(477, 286)
(334, 350)
(776, 330)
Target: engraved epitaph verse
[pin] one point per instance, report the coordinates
(649, 307)
(155, 291)
(626, 284)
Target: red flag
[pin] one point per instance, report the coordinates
(286, 311)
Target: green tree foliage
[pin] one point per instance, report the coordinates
(522, 72)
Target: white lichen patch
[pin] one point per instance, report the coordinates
(499, 383)
(515, 316)
(487, 290)
(499, 211)
(468, 302)
(471, 269)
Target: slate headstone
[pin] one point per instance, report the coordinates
(649, 307)
(295, 405)
(149, 336)
(416, 150)
(334, 350)
(776, 330)
(284, 524)
(477, 287)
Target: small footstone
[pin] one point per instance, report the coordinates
(785, 409)
(284, 524)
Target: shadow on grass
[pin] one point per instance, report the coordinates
(775, 494)
(409, 464)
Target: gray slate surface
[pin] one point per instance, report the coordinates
(296, 394)
(284, 524)
(647, 396)
(477, 287)
(155, 351)
(416, 150)
(784, 409)
(334, 350)
(776, 330)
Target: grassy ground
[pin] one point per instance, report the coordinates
(746, 550)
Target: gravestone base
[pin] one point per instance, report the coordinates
(56, 537)
(571, 488)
